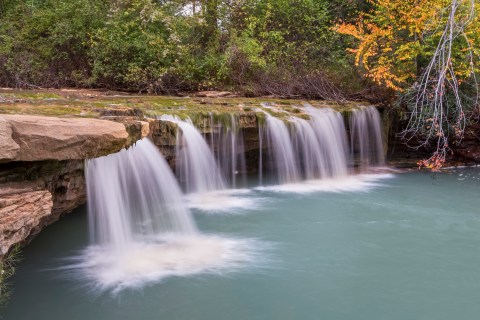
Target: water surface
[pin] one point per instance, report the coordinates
(406, 249)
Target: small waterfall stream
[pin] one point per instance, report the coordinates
(366, 139)
(226, 141)
(281, 151)
(308, 149)
(196, 165)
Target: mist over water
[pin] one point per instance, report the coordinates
(141, 229)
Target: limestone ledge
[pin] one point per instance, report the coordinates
(39, 138)
(42, 163)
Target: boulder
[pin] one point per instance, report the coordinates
(22, 210)
(39, 138)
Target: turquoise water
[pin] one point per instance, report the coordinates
(408, 248)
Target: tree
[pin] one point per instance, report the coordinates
(428, 52)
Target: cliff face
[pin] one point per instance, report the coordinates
(41, 167)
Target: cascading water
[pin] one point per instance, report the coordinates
(260, 154)
(313, 149)
(227, 142)
(198, 169)
(307, 147)
(133, 196)
(281, 151)
(332, 140)
(196, 165)
(141, 230)
(366, 137)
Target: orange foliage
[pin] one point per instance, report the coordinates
(393, 36)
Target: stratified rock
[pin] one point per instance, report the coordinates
(37, 138)
(22, 210)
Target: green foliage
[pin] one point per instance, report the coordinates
(250, 46)
(243, 60)
(298, 28)
(45, 42)
(7, 269)
(135, 47)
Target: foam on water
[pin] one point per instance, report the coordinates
(232, 201)
(352, 183)
(148, 262)
(141, 230)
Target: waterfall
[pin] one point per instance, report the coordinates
(366, 138)
(141, 229)
(281, 151)
(195, 162)
(260, 154)
(133, 196)
(312, 149)
(332, 140)
(297, 148)
(307, 147)
(227, 143)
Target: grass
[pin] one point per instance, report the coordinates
(7, 268)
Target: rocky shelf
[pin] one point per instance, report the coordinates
(41, 167)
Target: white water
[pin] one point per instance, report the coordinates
(260, 154)
(350, 183)
(132, 196)
(198, 169)
(281, 151)
(196, 165)
(227, 142)
(366, 137)
(332, 140)
(141, 229)
(140, 224)
(313, 149)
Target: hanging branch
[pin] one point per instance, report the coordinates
(438, 104)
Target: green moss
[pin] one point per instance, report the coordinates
(34, 95)
(90, 104)
(261, 118)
